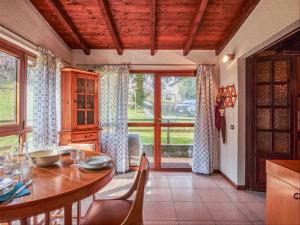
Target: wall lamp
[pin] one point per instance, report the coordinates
(227, 58)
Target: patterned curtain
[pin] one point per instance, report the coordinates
(113, 113)
(204, 132)
(46, 87)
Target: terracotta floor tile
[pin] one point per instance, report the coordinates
(179, 175)
(180, 183)
(213, 195)
(158, 195)
(158, 183)
(241, 196)
(196, 222)
(225, 212)
(185, 195)
(158, 175)
(204, 183)
(191, 211)
(253, 211)
(146, 222)
(159, 211)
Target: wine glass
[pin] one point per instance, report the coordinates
(76, 155)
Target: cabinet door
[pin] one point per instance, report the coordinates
(86, 102)
(282, 206)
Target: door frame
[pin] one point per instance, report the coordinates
(156, 124)
(250, 172)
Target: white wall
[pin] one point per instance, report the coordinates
(270, 20)
(144, 57)
(21, 18)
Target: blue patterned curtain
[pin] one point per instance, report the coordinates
(204, 132)
(114, 85)
(46, 88)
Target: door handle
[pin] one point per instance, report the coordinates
(297, 196)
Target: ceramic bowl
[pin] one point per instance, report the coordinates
(44, 157)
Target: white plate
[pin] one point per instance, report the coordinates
(64, 149)
(95, 162)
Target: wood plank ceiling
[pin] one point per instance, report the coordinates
(146, 24)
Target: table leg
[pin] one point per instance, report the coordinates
(47, 218)
(78, 213)
(24, 221)
(68, 214)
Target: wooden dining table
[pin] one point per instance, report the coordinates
(56, 187)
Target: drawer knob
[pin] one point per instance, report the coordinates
(297, 196)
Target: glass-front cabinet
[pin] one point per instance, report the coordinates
(80, 118)
(86, 95)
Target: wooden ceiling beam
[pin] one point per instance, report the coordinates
(66, 21)
(195, 25)
(104, 7)
(246, 10)
(153, 26)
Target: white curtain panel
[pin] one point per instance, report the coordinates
(46, 89)
(113, 91)
(204, 132)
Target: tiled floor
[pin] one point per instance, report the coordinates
(190, 199)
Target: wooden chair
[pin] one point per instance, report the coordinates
(121, 211)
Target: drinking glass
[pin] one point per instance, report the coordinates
(76, 155)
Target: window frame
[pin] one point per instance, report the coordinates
(19, 128)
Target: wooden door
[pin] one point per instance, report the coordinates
(272, 93)
(86, 104)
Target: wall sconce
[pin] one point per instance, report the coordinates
(228, 57)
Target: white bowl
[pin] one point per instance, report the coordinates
(44, 157)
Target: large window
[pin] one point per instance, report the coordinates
(8, 88)
(16, 98)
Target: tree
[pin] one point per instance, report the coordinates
(187, 89)
(139, 88)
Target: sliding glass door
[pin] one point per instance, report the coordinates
(161, 113)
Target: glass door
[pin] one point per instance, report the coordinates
(176, 121)
(141, 118)
(161, 114)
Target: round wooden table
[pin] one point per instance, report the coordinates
(56, 187)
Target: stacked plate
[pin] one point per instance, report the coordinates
(65, 149)
(95, 162)
(6, 185)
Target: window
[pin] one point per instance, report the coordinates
(15, 110)
(8, 88)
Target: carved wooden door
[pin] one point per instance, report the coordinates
(272, 117)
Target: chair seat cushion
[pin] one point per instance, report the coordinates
(107, 212)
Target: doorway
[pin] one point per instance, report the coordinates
(161, 114)
(273, 77)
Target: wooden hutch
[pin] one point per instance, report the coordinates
(80, 108)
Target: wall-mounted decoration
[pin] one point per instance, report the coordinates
(227, 95)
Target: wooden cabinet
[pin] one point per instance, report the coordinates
(283, 192)
(80, 107)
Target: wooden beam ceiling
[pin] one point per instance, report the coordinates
(153, 26)
(104, 7)
(195, 25)
(65, 20)
(246, 10)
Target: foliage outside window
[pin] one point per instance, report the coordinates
(15, 109)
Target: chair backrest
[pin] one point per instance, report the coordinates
(83, 146)
(135, 216)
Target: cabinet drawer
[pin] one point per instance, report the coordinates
(84, 136)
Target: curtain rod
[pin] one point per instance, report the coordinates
(137, 64)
